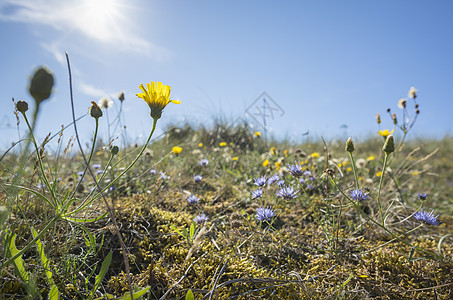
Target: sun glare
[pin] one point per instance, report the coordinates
(100, 17)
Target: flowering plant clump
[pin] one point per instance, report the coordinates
(260, 181)
(257, 193)
(358, 195)
(157, 96)
(264, 214)
(287, 193)
(204, 162)
(427, 217)
(296, 169)
(273, 179)
(200, 219)
(192, 199)
(197, 178)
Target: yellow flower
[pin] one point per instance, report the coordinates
(369, 158)
(349, 169)
(235, 158)
(157, 95)
(286, 153)
(257, 133)
(265, 163)
(314, 155)
(222, 144)
(379, 174)
(385, 133)
(277, 165)
(415, 173)
(272, 150)
(200, 145)
(176, 149)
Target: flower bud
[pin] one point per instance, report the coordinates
(394, 119)
(95, 110)
(41, 84)
(121, 96)
(22, 106)
(114, 150)
(389, 145)
(349, 145)
(378, 119)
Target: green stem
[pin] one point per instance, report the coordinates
(354, 170)
(89, 158)
(380, 187)
(134, 161)
(38, 155)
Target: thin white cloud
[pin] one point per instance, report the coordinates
(105, 21)
(92, 91)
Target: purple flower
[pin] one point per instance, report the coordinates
(358, 195)
(192, 199)
(273, 179)
(422, 196)
(264, 214)
(260, 181)
(310, 186)
(307, 173)
(96, 166)
(295, 169)
(200, 219)
(197, 178)
(287, 193)
(280, 182)
(257, 193)
(162, 175)
(204, 162)
(301, 180)
(99, 172)
(80, 173)
(153, 171)
(427, 218)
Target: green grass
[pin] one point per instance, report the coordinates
(309, 251)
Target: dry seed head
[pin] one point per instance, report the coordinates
(114, 150)
(121, 96)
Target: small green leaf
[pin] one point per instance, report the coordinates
(189, 295)
(104, 268)
(53, 293)
(44, 260)
(177, 230)
(77, 220)
(127, 296)
(18, 262)
(192, 230)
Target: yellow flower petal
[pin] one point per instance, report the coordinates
(176, 149)
(222, 144)
(157, 96)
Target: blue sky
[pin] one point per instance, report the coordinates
(325, 63)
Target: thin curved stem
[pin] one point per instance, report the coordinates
(380, 187)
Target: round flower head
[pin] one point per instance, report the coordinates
(197, 178)
(260, 181)
(192, 199)
(157, 96)
(105, 102)
(257, 193)
(204, 162)
(422, 196)
(264, 214)
(427, 218)
(273, 179)
(280, 182)
(295, 169)
(286, 192)
(358, 195)
(200, 219)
